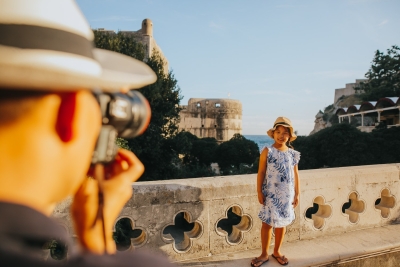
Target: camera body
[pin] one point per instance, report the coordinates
(123, 115)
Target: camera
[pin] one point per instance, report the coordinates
(123, 115)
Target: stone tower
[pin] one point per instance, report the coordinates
(211, 117)
(147, 27)
(145, 36)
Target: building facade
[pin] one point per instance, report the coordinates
(348, 90)
(211, 117)
(371, 113)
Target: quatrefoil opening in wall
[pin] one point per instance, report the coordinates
(127, 236)
(182, 232)
(234, 225)
(319, 212)
(354, 207)
(385, 203)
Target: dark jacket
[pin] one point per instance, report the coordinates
(24, 233)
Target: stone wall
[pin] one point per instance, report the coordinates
(348, 90)
(145, 36)
(218, 118)
(193, 218)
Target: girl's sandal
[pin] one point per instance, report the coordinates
(282, 260)
(257, 263)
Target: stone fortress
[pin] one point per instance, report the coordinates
(144, 36)
(347, 90)
(209, 117)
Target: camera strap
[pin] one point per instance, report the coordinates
(99, 176)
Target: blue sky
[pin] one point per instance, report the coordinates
(279, 58)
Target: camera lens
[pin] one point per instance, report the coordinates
(128, 113)
(141, 114)
(123, 115)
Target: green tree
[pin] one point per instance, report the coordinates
(155, 148)
(182, 144)
(229, 155)
(196, 154)
(383, 76)
(344, 145)
(203, 150)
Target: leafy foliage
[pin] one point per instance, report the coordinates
(344, 145)
(122, 43)
(154, 148)
(197, 154)
(231, 154)
(383, 76)
(329, 108)
(203, 150)
(122, 143)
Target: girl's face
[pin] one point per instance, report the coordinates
(281, 135)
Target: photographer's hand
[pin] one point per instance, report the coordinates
(117, 189)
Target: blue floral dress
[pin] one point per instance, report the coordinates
(278, 187)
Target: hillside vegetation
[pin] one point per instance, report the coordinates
(344, 145)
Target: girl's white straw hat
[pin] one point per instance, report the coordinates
(285, 122)
(48, 44)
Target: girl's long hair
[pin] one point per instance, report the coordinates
(289, 144)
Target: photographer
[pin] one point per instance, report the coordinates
(50, 120)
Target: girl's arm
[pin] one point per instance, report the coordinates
(296, 186)
(262, 167)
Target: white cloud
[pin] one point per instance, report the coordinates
(383, 22)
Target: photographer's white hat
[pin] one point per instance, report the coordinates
(48, 44)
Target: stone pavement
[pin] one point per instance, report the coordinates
(371, 247)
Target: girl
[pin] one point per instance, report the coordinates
(278, 189)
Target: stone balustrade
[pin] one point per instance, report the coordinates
(193, 218)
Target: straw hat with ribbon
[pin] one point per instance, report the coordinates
(48, 44)
(283, 121)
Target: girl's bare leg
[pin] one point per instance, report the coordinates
(266, 232)
(279, 235)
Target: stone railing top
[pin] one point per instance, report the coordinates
(223, 187)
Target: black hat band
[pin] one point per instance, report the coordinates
(281, 123)
(37, 37)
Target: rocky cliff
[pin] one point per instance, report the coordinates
(320, 123)
(328, 117)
